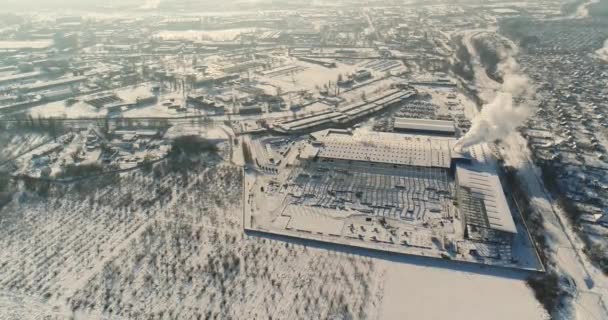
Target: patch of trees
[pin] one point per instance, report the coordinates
(247, 154)
(5, 195)
(546, 287)
(40, 187)
(52, 126)
(187, 152)
(534, 221)
(549, 175)
(518, 29)
(462, 65)
(192, 145)
(489, 57)
(597, 254)
(4, 181)
(81, 170)
(547, 290)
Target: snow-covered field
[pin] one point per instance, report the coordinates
(417, 290)
(309, 76)
(166, 245)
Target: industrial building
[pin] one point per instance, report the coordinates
(386, 148)
(483, 206)
(481, 202)
(252, 109)
(58, 83)
(16, 78)
(424, 126)
(345, 114)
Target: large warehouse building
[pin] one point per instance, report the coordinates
(386, 148)
(424, 126)
(483, 206)
(483, 209)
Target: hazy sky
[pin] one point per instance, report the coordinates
(147, 4)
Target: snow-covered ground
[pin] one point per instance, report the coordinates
(443, 291)
(311, 76)
(167, 244)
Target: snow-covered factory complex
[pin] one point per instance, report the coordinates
(409, 193)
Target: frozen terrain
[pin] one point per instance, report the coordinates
(109, 251)
(438, 291)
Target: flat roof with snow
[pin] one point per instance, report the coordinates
(28, 44)
(384, 147)
(20, 76)
(485, 187)
(54, 83)
(424, 125)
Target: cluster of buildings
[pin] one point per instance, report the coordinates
(307, 77)
(345, 115)
(117, 150)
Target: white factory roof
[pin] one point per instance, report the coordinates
(485, 186)
(20, 76)
(49, 84)
(28, 44)
(384, 147)
(441, 126)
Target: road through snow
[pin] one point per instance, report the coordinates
(591, 294)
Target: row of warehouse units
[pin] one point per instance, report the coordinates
(345, 114)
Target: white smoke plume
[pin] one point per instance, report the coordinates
(583, 10)
(603, 52)
(507, 111)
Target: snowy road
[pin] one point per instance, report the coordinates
(591, 294)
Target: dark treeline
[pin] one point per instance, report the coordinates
(489, 57)
(52, 126)
(462, 66)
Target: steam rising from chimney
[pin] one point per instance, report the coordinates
(583, 9)
(603, 52)
(507, 111)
